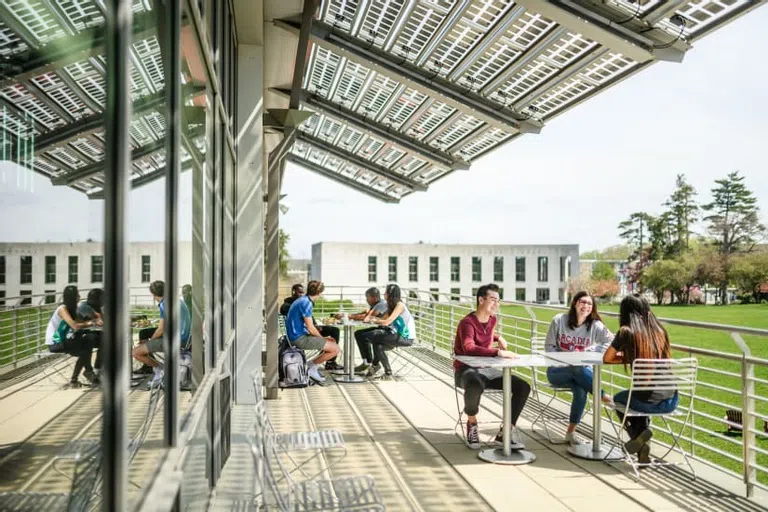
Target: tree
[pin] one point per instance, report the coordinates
(660, 237)
(603, 271)
(733, 221)
(682, 212)
(750, 271)
(664, 276)
(604, 289)
(284, 257)
(634, 231)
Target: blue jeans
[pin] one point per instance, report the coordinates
(636, 424)
(579, 379)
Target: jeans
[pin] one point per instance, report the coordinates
(636, 424)
(579, 380)
(380, 339)
(476, 380)
(333, 332)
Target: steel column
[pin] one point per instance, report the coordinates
(117, 160)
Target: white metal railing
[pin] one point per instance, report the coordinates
(725, 381)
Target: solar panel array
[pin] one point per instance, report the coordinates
(404, 91)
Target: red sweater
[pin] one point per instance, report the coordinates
(474, 338)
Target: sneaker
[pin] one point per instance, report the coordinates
(333, 365)
(91, 377)
(514, 439)
(314, 374)
(373, 370)
(473, 437)
(634, 445)
(157, 379)
(362, 368)
(644, 454)
(573, 439)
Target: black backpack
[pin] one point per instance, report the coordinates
(292, 365)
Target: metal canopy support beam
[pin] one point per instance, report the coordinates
(367, 125)
(96, 167)
(352, 158)
(146, 179)
(415, 77)
(604, 31)
(661, 11)
(348, 182)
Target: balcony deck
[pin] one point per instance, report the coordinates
(401, 432)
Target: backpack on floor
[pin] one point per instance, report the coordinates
(292, 366)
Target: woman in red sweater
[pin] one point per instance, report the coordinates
(474, 337)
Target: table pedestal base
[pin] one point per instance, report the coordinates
(515, 458)
(585, 451)
(348, 379)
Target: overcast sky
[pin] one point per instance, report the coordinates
(589, 169)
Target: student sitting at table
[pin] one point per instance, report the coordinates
(302, 333)
(640, 336)
(474, 337)
(67, 333)
(297, 291)
(144, 350)
(90, 309)
(377, 307)
(398, 330)
(579, 330)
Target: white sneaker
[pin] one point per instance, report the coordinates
(314, 374)
(157, 378)
(573, 439)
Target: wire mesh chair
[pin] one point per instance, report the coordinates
(537, 347)
(278, 490)
(677, 375)
(291, 442)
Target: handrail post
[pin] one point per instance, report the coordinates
(16, 332)
(748, 437)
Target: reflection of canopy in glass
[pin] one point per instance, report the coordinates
(52, 92)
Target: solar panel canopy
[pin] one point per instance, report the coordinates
(403, 92)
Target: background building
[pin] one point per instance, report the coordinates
(42, 270)
(524, 272)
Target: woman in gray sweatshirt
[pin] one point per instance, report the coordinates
(581, 329)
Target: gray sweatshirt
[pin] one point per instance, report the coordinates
(561, 338)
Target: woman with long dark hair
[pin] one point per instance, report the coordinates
(400, 331)
(579, 330)
(640, 336)
(65, 333)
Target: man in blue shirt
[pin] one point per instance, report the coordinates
(154, 344)
(302, 333)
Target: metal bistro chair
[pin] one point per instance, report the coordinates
(460, 425)
(357, 493)
(660, 375)
(537, 347)
(291, 442)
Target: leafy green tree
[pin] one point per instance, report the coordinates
(664, 276)
(682, 212)
(750, 271)
(284, 255)
(733, 220)
(603, 271)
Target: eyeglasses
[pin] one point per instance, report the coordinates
(585, 302)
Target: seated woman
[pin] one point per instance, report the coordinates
(65, 333)
(400, 332)
(90, 309)
(581, 329)
(640, 336)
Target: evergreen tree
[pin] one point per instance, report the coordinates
(733, 221)
(635, 231)
(682, 212)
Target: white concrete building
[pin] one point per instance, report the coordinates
(534, 273)
(42, 270)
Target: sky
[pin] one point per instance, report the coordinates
(615, 154)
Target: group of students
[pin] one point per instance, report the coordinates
(73, 329)
(640, 336)
(394, 327)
